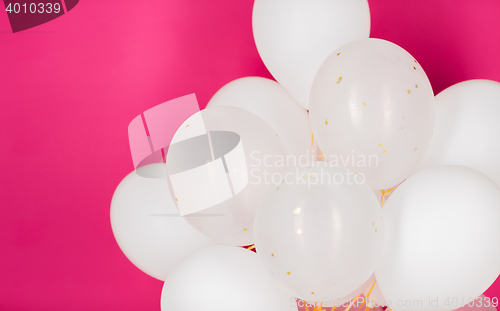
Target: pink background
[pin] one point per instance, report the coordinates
(69, 88)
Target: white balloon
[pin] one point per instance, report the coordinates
(223, 278)
(320, 232)
(269, 101)
(467, 128)
(442, 239)
(372, 110)
(216, 163)
(294, 37)
(147, 225)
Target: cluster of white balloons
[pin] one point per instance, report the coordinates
(292, 167)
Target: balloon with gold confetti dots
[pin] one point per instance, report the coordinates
(320, 233)
(380, 110)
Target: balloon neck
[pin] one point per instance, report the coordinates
(385, 193)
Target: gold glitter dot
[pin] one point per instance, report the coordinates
(376, 230)
(288, 273)
(326, 122)
(385, 151)
(245, 229)
(278, 188)
(416, 86)
(416, 148)
(272, 255)
(364, 104)
(380, 145)
(373, 223)
(338, 54)
(187, 125)
(409, 91)
(312, 293)
(339, 80)
(414, 67)
(176, 200)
